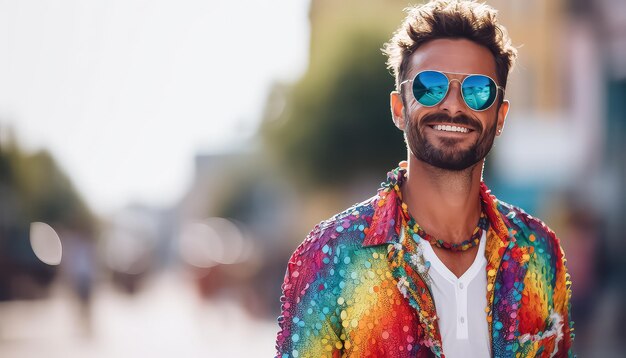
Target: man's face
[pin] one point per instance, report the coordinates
(449, 150)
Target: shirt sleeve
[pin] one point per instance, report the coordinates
(309, 322)
(562, 296)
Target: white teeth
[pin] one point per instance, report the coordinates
(446, 128)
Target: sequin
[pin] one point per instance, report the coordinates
(356, 287)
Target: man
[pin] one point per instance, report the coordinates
(434, 264)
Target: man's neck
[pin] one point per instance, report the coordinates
(445, 203)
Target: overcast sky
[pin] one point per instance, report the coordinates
(125, 92)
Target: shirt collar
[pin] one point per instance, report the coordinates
(387, 219)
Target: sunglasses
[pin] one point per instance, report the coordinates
(431, 87)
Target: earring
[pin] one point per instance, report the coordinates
(499, 131)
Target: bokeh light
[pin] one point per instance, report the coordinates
(45, 243)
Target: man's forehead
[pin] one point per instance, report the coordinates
(452, 55)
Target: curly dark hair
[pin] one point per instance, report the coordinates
(450, 19)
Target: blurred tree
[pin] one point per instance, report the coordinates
(33, 188)
(334, 125)
(41, 190)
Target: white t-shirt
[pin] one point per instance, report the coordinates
(460, 304)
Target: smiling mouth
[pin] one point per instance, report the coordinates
(449, 128)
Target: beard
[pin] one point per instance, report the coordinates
(449, 155)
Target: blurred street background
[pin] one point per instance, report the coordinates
(161, 160)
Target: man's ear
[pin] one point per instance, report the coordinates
(397, 110)
(502, 112)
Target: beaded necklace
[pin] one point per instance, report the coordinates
(416, 231)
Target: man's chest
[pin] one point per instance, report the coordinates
(381, 307)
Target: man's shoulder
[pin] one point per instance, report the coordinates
(347, 228)
(529, 230)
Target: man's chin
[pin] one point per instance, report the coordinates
(450, 163)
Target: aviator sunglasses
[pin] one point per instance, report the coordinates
(430, 87)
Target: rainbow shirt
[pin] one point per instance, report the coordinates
(358, 287)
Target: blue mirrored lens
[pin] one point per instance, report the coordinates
(430, 87)
(479, 92)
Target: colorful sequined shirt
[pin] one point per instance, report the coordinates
(357, 287)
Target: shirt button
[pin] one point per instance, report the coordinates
(462, 319)
(461, 285)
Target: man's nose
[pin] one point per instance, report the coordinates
(453, 102)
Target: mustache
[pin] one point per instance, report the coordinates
(461, 119)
